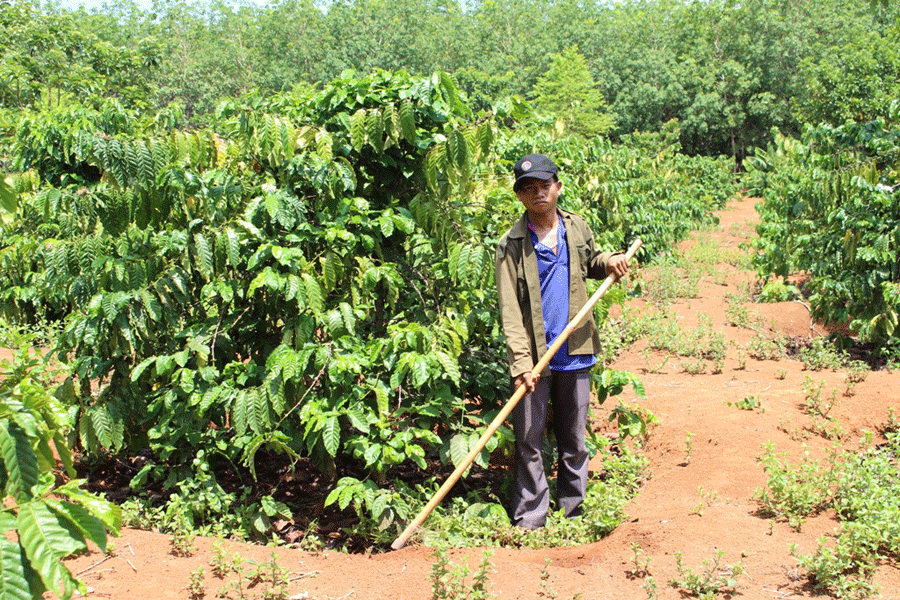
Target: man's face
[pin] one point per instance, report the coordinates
(538, 196)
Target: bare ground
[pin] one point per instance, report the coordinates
(720, 477)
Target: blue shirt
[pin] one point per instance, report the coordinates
(553, 270)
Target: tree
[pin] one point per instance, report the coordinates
(568, 93)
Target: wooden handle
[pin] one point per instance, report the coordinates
(508, 407)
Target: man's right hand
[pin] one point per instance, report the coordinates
(526, 380)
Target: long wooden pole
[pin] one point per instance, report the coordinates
(510, 405)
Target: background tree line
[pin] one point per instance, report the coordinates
(727, 71)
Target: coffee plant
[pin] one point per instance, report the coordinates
(831, 209)
(310, 275)
(48, 522)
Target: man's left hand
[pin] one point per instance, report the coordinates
(617, 265)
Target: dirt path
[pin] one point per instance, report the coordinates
(696, 507)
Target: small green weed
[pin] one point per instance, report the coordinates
(816, 404)
(688, 448)
(748, 403)
(737, 313)
(271, 576)
(865, 499)
(795, 492)
(892, 423)
(763, 348)
(828, 428)
(670, 279)
(711, 580)
(695, 366)
(182, 540)
(547, 590)
(196, 587)
(220, 564)
(452, 582)
(641, 562)
(819, 354)
(778, 291)
(857, 372)
(650, 587)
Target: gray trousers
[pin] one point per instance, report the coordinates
(569, 391)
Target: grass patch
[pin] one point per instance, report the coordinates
(862, 488)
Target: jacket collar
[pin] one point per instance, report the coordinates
(520, 229)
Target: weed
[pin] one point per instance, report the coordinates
(820, 354)
(710, 580)
(234, 589)
(547, 590)
(828, 428)
(795, 492)
(219, 564)
(195, 587)
(671, 279)
(706, 500)
(693, 366)
(816, 405)
(737, 313)
(688, 448)
(892, 425)
(650, 587)
(778, 291)
(272, 576)
(748, 403)
(857, 371)
(865, 499)
(780, 373)
(641, 562)
(647, 353)
(182, 540)
(741, 360)
(762, 348)
(449, 581)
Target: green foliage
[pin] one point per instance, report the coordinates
(472, 521)
(568, 94)
(830, 209)
(451, 582)
(797, 491)
(48, 521)
(309, 277)
(864, 495)
(710, 581)
(855, 82)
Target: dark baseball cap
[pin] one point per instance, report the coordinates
(534, 165)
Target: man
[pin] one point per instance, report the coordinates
(541, 265)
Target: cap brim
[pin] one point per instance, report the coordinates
(542, 175)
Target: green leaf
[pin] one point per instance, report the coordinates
(108, 513)
(204, 255)
(331, 435)
(459, 448)
(90, 527)
(18, 581)
(408, 121)
(313, 294)
(348, 317)
(46, 540)
(19, 460)
(9, 199)
(450, 365)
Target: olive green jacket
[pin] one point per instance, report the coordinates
(519, 291)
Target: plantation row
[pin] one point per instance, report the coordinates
(311, 276)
